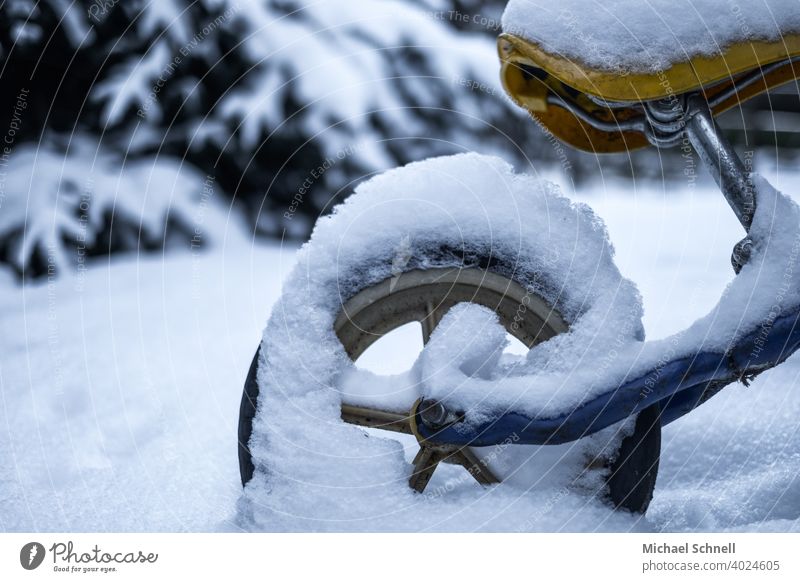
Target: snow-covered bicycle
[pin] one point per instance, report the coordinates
(473, 251)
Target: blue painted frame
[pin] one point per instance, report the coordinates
(680, 387)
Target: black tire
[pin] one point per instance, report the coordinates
(247, 412)
(632, 474)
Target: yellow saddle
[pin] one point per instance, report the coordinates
(530, 73)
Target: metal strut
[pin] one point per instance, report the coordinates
(727, 169)
(430, 454)
(719, 157)
(435, 416)
(689, 117)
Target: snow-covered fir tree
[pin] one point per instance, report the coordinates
(284, 104)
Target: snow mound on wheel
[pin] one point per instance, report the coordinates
(466, 205)
(312, 471)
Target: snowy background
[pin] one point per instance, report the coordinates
(121, 389)
(149, 213)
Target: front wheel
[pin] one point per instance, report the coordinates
(628, 467)
(406, 247)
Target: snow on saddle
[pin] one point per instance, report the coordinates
(628, 51)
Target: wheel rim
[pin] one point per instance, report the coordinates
(425, 296)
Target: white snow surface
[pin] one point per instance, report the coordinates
(635, 36)
(120, 389)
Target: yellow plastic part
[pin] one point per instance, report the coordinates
(573, 80)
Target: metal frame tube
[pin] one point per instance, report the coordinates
(721, 160)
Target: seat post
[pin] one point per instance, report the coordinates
(721, 160)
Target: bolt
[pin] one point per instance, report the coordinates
(433, 414)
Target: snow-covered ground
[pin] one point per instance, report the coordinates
(120, 389)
